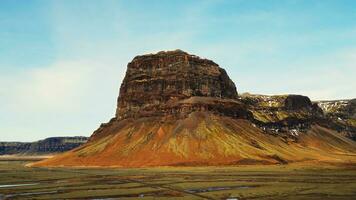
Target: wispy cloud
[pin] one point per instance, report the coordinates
(65, 98)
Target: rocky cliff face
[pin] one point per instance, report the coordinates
(339, 108)
(297, 102)
(286, 116)
(178, 109)
(155, 84)
(340, 115)
(46, 146)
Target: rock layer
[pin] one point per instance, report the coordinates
(155, 83)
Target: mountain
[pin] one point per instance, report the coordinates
(46, 146)
(179, 109)
(338, 115)
(341, 115)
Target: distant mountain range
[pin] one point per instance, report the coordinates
(47, 146)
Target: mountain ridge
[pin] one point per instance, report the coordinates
(46, 146)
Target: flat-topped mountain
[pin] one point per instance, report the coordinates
(179, 109)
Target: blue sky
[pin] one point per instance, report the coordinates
(62, 62)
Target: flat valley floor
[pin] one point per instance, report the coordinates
(243, 182)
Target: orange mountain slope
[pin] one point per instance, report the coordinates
(202, 139)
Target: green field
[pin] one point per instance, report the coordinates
(247, 182)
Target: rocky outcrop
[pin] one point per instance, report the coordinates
(164, 83)
(285, 116)
(351, 108)
(46, 146)
(297, 102)
(340, 115)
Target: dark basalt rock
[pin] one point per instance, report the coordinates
(351, 108)
(297, 102)
(155, 84)
(340, 115)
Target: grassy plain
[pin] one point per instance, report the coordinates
(243, 182)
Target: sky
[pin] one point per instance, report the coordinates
(62, 61)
